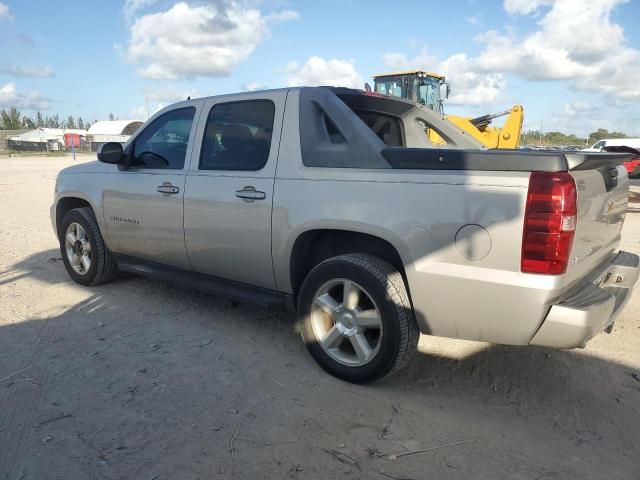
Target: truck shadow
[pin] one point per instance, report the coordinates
(141, 366)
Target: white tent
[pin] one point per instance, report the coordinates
(41, 135)
(115, 127)
(112, 131)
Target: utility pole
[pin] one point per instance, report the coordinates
(540, 132)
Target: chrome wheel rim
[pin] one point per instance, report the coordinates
(78, 248)
(346, 322)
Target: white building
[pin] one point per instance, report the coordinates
(112, 131)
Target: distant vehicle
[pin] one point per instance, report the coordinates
(335, 201)
(613, 142)
(633, 167)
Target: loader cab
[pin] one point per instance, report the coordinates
(428, 89)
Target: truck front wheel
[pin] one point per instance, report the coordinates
(356, 319)
(85, 256)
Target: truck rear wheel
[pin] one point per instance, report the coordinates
(84, 254)
(356, 319)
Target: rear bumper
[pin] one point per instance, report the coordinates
(592, 308)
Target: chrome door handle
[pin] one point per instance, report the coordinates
(168, 189)
(250, 194)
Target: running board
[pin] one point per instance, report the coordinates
(236, 291)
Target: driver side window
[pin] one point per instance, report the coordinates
(163, 144)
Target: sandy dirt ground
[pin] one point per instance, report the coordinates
(138, 379)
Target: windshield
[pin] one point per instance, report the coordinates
(427, 89)
(429, 93)
(395, 86)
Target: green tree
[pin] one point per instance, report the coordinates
(535, 137)
(81, 125)
(53, 122)
(604, 133)
(28, 123)
(112, 117)
(39, 120)
(11, 119)
(71, 122)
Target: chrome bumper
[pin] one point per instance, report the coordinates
(593, 308)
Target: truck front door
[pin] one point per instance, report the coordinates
(143, 205)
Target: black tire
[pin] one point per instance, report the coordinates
(636, 172)
(103, 266)
(386, 287)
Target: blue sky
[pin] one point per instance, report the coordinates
(574, 65)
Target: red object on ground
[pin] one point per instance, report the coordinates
(632, 164)
(72, 140)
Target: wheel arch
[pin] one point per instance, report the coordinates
(67, 203)
(314, 246)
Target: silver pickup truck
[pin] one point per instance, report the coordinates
(334, 202)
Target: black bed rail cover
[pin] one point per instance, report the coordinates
(496, 160)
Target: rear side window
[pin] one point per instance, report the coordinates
(386, 127)
(238, 136)
(163, 144)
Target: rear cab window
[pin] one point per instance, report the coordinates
(237, 136)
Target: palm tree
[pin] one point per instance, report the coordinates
(11, 119)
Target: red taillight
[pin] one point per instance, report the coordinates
(549, 223)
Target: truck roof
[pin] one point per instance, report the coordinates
(336, 90)
(409, 72)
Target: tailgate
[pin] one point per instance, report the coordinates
(602, 186)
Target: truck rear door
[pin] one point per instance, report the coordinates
(229, 187)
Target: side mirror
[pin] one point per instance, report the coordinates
(110, 152)
(445, 91)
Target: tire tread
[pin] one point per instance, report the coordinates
(396, 290)
(106, 267)
(396, 293)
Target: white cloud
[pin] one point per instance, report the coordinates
(202, 40)
(10, 97)
(318, 71)
(139, 113)
(578, 117)
(5, 12)
(131, 7)
(158, 98)
(582, 117)
(28, 71)
(170, 94)
(399, 61)
(578, 107)
(575, 40)
(395, 60)
(473, 20)
(253, 86)
(283, 16)
(469, 87)
(524, 7)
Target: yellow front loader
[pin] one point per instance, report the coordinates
(431, 89)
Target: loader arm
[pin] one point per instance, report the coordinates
(506, 137)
